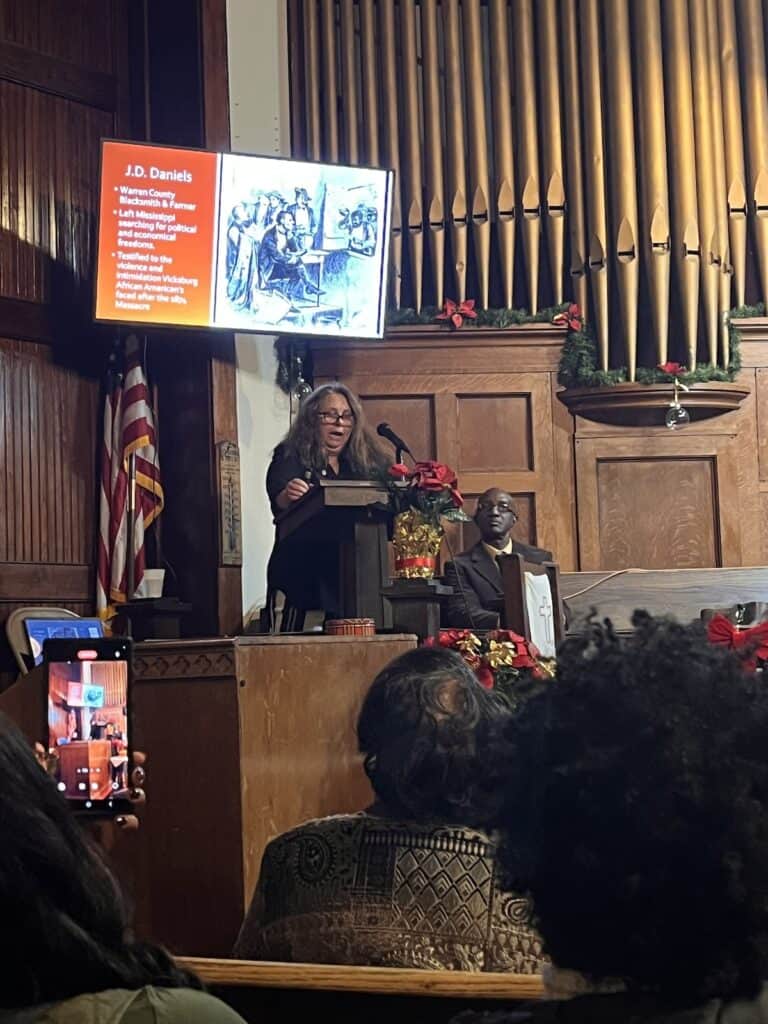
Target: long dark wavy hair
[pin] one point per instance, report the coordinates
(422, 730)
(637, 812)
(362, 449)
(63, 928)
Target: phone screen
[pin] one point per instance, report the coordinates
(89, 722)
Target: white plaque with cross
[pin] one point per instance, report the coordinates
(541, 615)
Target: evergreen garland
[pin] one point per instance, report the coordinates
(498, 318)
(578, 360)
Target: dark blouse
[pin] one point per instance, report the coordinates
(307, 575)
(285, 467)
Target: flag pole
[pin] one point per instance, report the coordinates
(131, 538)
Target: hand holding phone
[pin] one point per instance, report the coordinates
(88, 723)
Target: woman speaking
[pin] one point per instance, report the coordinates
(329, 440)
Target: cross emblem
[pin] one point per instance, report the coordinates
(545, 611)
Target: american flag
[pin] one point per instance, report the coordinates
(129, 427)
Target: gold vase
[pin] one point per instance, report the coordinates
(417, 543)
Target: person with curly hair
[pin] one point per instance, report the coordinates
(65, 947)
(328, 440)
(411, 881)
(637, 819)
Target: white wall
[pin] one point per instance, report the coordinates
(260, 123)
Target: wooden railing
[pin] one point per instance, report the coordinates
(364, 980)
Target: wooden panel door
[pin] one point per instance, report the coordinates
(662, 502)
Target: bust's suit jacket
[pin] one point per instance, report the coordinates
(478, 596)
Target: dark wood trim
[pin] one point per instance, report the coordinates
(28, 321)
(38, 581)
(60, 77)
(296, 79)
(215, 64)
(213, 32)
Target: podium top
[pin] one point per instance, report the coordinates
(330, 495)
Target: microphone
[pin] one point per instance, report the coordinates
(384, 430)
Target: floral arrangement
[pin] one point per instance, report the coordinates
(501, 660)
(428, 487)
(420, 498)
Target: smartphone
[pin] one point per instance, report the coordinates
(89, 721)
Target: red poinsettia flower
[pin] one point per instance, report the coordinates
(572, 318)
(433, 476)
(750, 645)
(673, 369)
(399, 471)
(485, 677)
(451, 637)
(456, 311)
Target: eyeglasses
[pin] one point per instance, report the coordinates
(501, 506)
(347, 418)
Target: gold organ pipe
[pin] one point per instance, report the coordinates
(529, 181)
(654, 234)
(721, 198)
(682, 163)
(370, 81)
(705, 171)
(312, 63)
(595, 156)
(454, 130)
(478, 148)
(503, 149)
(433, 145)
(552, 145)
(576, 223)
(734, 146)
(412, 168)
(624, 173)
(391, 140)
(330, 88)
(751, 48)
(349, 81)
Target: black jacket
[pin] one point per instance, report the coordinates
(478, 596)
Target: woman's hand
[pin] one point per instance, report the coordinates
(292, 491)
(136, 794)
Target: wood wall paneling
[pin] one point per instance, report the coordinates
(657, 512)
(80, 31)
(48, 423)
(661, 502)
(63, 83)
(494, 432)
(410, 416)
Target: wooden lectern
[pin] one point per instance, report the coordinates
(354, 516)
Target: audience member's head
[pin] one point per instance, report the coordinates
(637, 812)
(62, 921)
(422, 730)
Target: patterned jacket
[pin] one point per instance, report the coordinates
(357, 889)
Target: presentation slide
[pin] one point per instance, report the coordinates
(197, 239)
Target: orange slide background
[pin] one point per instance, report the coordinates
(149, 264)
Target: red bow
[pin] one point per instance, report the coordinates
(673, 369)
(456, 311)
(750, 644)
(572, 318)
